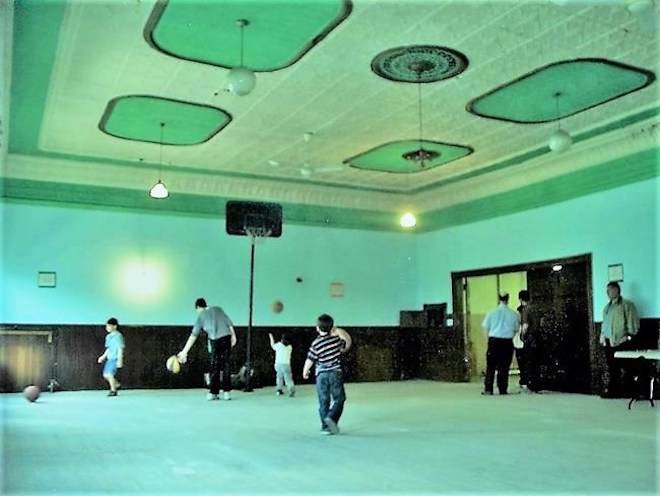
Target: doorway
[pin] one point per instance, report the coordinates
(561, 293)
(481, 296)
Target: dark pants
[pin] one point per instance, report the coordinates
(220, 353)
(531, 365)
(521, 358)
(613, 371)
(330, 390)
(498, 358)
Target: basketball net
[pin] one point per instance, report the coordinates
(258, 232)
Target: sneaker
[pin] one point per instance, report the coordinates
(226, 396)
(326, 432)
(524, 390)
(332, 425)
(486, 393)
(212, 397)
(112, 393)
(279, 393)
(292, 393)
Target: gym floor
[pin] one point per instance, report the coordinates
(407, 438)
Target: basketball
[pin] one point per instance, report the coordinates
(31, 393)
(173, 364)
(277, 306)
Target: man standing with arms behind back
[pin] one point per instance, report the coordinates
(502, 324)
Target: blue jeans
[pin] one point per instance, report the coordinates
(330, 390)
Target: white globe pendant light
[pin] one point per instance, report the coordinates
(241, 80)
(159, 191)
(560, 141)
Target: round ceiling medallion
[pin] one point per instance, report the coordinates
(419, 63)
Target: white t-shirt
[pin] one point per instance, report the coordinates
(282, 353)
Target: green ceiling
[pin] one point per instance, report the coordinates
(36, 31)
(141, 118)
(582, 84)
(390, 156)
(278, 34)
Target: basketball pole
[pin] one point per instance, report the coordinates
(248, 361)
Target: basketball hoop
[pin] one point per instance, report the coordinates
(258, 232)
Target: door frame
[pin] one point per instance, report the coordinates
(458, 281)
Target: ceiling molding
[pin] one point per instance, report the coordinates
(93, 174)
(583, 155)
(609, 175)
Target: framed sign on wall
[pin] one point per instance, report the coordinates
(615, 273)
(46, 279)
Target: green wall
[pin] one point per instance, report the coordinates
(616, 226)
(149, 268)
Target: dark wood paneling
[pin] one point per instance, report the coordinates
(442, 355)
(379, 354)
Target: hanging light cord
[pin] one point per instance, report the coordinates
(160, 160)
(242, 41)
(419, 110)
(557, 95)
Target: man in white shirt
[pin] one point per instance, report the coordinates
(283, 365)
(502, 324)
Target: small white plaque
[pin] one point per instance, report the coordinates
(47, 279)
(337, 289)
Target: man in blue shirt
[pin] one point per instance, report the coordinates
(113, 355)
(502, 324)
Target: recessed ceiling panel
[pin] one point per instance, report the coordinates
(403, 157)
(139, 118)
(559, 90)
(278, 33)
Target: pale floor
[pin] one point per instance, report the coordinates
(398, 438)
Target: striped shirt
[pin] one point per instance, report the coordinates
(325, 352)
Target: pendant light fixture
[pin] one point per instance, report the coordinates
(420, 156)
(560, 140)
(158, 191)
(241, 80)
